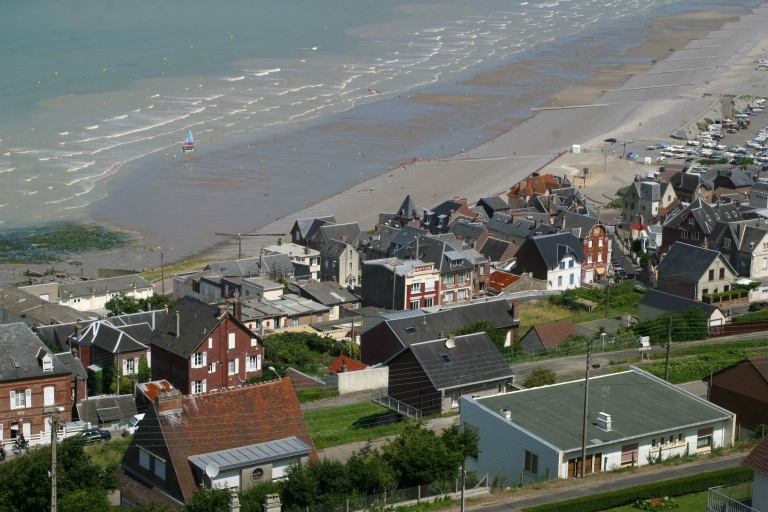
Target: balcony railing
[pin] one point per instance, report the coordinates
(731, 498)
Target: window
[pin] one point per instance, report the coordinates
(210, 342)
(49, 396)
(445, 358)
(727, 243)
(643, 207)
(252, 363)
(653, 443)
(765, 246)
(415, 287)
(703, 442)
(712, 274)
(695, 235)
(47, 363)
(254, 342)
(570, 263)
(531, 462)
(559, 280)
(449, 279)
(21, 399)
(679, 438)
(600, 243)
(671, 439)
(160, 468)
(295, 320)
(571, 279)
(691, 220)
(326, 263)
(231, 341)
(429, 285)
(765, 263)
(683, 234)
(319, 316)
(333, 264)
(198, 386)
(722, 273)
(143, 459)
(448, 298)
(482, 271)
(462, 277)
(415, 304)
(197, 360)
(562, 265)
(233, 366)
(455, 400)
(599, 257)
(462, 295)
(705, 291)
(632, 206)
(212, 368)
(589, 244)
(589, 258)
(129, 367)
(429, 302)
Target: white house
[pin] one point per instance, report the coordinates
(93, 295)
(555, 258)
(634, 418)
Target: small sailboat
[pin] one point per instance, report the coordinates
(189, 145)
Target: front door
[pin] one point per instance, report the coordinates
(27, 430)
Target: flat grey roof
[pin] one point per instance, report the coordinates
(639, 405)
(252, 454)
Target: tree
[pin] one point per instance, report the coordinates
(85, 501)
(464, 441)
(418, 456)
(368, 471)
(122, 304)
(252, 498)
(157, 301)
(540, 377)
(209, 500)
(498, 336)
(145, 373)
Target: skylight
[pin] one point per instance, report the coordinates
(410, 330)
(445, 358)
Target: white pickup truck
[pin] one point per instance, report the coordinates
(133, 425)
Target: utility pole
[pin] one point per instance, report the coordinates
(162, 273)
(463, 482)
(54, 438)
(605, 163)
(669, 346)
(586, 411)
(607, 298)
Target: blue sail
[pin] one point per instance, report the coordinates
(190, 139)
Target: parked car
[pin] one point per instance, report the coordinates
(611, 140)
(94, 435)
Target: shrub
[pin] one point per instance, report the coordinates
(540, 377)
(675, 487)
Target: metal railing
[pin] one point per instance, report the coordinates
(731, 498)
(378, 397)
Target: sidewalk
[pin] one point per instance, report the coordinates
(344, 451)
(574, 488)
(348, 399)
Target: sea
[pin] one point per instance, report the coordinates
(97, 96)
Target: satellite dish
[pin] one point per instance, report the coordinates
(212, 470)
(450, 343)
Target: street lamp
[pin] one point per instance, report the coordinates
(272, 369)
(54, 437)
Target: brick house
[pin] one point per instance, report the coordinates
(743, 389)
(694, 224)
(243, 436)
(200, 348)
(690, 187)
(101, 343)
(595, 242)
(417, 284)
(33, 382)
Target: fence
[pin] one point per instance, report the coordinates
(378, 397)
(731, 498)
(43, 437)
(718, 331)
(428, 492)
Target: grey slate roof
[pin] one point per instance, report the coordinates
(24, 304)
(469, 231)
(251, 455)
(689, 182)
(669, 302)
(248, 267)
(688, 262)
(116, 339)
(579, 225)
(403, 267)
(99, 286)
(553, 248)
(333, 248)
(507, 225)
(438, 252)
(483, 215)
(492, 205)
(760, 187)
(308, 227)
(197, 320)
(335, 231)
(107, 409)
(406, 236)
(20, 345)
(420, 324)
(408, 210)
(328, 294)
(443, 210)
(473, 359)
(72, 364)
(705, 214)
(540, 410)
(380, 241)
(494, 249)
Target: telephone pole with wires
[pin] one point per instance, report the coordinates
(669, 346)
(586, 411)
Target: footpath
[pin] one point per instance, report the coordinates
(560, 490)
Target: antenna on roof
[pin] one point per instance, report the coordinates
(606, 390)
(211, 470)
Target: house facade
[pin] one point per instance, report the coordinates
(416, 284)
(644, 199)
(340, 262)
(595, 241)
(200, 348)
(517, 440)
(556, 259)
(94, 295)
(309, 257)
(743, 389)
(692, 272)
(694, 224)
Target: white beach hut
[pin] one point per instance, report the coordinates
(576, 148)
(647, 160)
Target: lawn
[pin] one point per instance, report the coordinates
(544, 312)
(349, 423)
(109, 452)
(688, 503)
(314, 394)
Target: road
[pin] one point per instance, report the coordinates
(503, 502)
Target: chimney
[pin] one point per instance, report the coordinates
(261, 262)
(75, 353)
(234, 502)
(306, 250)
(178, 324)
(515, 310)
(604, 421)
(237, 309)
(440, 335)
(459, 237)
(343, 237)
(279, 241)
(78, 326)
(343, 365)
(506, 414)
(272, 503)
(169, 402)
(223, 309)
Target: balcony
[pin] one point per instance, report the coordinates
(731, 498)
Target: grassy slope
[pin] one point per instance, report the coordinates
(543, 312)
(688, 503)
(110, 452)
(349, 423)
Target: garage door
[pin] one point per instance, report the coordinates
(629, 453)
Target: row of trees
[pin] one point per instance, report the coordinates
(418, 456)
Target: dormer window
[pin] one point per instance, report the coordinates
(691, 220)
(47, 361)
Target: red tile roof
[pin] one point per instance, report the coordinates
(151, 389)
(352, 365)
(500, 281)
(757, 460)
(554, 333)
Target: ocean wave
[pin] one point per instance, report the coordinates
(235, 79)
(261, 72)
(64, 133)
(92, 127)
(116, 118)
(2, 171)
(155, 96)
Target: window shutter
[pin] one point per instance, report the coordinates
(13, 400)
(205, 359)
(205, 381)
(125, 367)
(258, 362)
(28, 392)
(254, 342)
(231, 339)
(135, 365)
(237, 366)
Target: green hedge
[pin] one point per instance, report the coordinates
(675, 487)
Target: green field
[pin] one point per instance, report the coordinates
(688, 503)
(349, 423)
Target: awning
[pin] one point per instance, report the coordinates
(600, 270)
(252, 455)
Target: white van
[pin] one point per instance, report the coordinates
(133, 425)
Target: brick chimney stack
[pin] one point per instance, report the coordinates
(169, 402)
(237, 309)
(223, 309)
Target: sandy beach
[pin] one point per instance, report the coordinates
(640, 93)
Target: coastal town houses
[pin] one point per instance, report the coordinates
(498, 251)
(596, 243)
(517, 438)
(690, 187)
(457, 269)
(692, 272)
(349, 232)
(100, 343)
(474, 234)
(391, 332)
(744, 245)
(520, 194)
(432, 375)
(340, 262)
(555, 259)
(407, 215)
(199, 348)
(645, 199)
(333, 295)
(438, 219)
(18, 305)
(742, 388)
(402, 284)
(250, 288)
(288, 310)
(376, 245)
(694, 223)
(729, 181)
(511, 229)
(546, 337)
(655, 303)
(182, 436)
(304, 230)
(493, 205)
(758, 195)
(93, 294)
(305, 260)
(33, 383)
